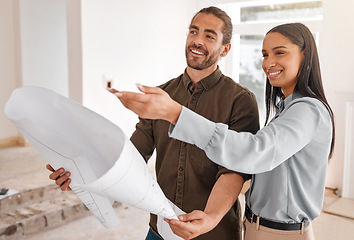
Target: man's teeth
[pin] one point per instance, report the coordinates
(197, 52)
(274, 73)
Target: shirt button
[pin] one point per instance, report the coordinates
(180, 169)
(184, 144)
(206, 86)
(194, 98)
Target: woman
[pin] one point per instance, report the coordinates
(287, 158)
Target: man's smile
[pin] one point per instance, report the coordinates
(197, 52)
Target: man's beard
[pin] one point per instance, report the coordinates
(209, 61)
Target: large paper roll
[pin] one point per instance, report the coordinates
(104, 164)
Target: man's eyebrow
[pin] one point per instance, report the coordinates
(210, 31)
(206, 30)
(193, 27)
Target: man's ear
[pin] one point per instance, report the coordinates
(226, 50)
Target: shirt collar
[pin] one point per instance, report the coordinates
(205, 83)
(291, 97)
(286, 101)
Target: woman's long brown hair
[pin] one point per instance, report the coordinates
(309, 76)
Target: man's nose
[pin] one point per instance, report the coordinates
(198, 40)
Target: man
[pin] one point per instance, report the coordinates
(187, 177)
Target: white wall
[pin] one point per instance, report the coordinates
(74, 41)
(337, 46)
(8, 74)
(44, 44)
(142, 41)
(131, 42)
(33, 50)
(135, 41)
(207, 3)
(336, 55)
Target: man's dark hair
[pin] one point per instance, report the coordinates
(217, 12)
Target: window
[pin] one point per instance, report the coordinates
(251, 22)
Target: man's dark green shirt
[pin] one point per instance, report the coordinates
(183, 171)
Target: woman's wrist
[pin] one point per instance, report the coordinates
(173, 113)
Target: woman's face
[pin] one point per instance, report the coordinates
(281, 61)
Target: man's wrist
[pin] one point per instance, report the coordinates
(214, 216)
(213, 219)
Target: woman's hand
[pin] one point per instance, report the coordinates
(153, 104)
(192, 224)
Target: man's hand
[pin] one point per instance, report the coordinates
(192, 224)
(60, 177)
(153, 104)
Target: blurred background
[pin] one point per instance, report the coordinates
(74, 47)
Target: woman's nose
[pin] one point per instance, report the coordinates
(269, 65)
(272, 64)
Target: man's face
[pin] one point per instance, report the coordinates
(204, 41)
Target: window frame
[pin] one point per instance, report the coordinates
(231, 66)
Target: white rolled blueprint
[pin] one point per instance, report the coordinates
(104, 164)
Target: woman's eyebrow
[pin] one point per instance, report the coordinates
(278, 47)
